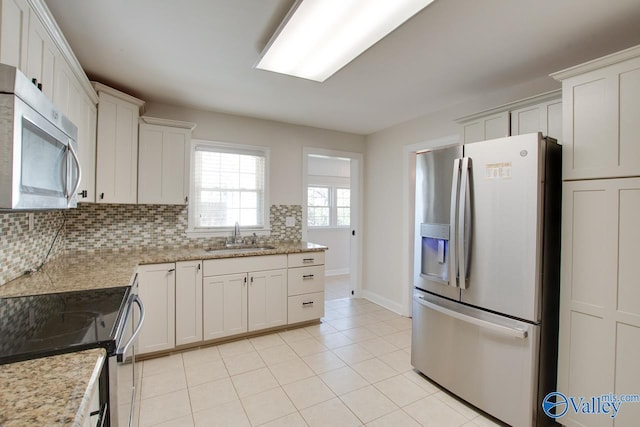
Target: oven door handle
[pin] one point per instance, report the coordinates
(122, 351)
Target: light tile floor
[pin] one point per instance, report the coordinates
(353, 369)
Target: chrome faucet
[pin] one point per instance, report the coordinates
(236, 233)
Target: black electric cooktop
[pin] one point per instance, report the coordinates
(44, 325)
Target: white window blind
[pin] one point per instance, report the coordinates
(229, 186)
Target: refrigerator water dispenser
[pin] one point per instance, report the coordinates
(435, 252)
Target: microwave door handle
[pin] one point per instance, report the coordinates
(74, 156)
(464, 233)
(122, 351)
(452, 224)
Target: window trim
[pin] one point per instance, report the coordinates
(193, 232)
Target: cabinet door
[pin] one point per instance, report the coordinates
(117, 151)
(602, 130)
(41, 54)
(163, 165)
(545, 117)
(490, 127)
(157, 292)
(188, 302)
(600, 296)
(224, 301)
(87, 148)
(267, 305)
(14, 33)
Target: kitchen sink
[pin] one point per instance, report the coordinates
(240, 248)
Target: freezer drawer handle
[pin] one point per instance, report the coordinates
(505, 330)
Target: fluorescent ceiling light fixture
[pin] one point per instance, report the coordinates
(319, 37)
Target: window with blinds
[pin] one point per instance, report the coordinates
(228, 186)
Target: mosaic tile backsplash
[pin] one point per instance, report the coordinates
(21, 249)
(94, 227)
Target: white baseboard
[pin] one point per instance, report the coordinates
(394, 306)
(336, 272)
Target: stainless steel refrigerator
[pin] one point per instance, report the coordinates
(485, 305)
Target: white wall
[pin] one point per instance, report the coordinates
(388, 240)
(336, 259)
(284, 140)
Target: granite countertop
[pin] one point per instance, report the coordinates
(82, 271)
(56, 390)
(51, 391)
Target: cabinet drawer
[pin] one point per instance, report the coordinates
(305, 259)
(306, 307)
(304, 280)
(215, 267)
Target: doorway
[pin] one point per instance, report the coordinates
(332, 215)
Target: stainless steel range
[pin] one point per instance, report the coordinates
(45, 325)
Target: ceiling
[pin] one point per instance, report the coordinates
(200, 54)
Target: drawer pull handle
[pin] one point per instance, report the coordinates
(308, 260)
(307, 276)
(307, 304)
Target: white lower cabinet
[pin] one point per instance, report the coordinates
(188, 302)
(306, 287)
(599, 341)
(224, 302)
(237, 299)
(157, 290)
(305, 307)
(267, 299)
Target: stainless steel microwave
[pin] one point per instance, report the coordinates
(39, 166)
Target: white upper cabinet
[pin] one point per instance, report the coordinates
(163, 164)
(117, 146)
(540, 113)
(31, 41)
(41, 55)
(488, 127)
(81, 110)
(545, 117)
(601, 109)
(14, 33)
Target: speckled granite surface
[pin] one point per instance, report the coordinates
(52, 391)
(81, 271)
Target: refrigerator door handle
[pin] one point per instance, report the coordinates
(501, 329)
(464, 212)
(453, 267)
